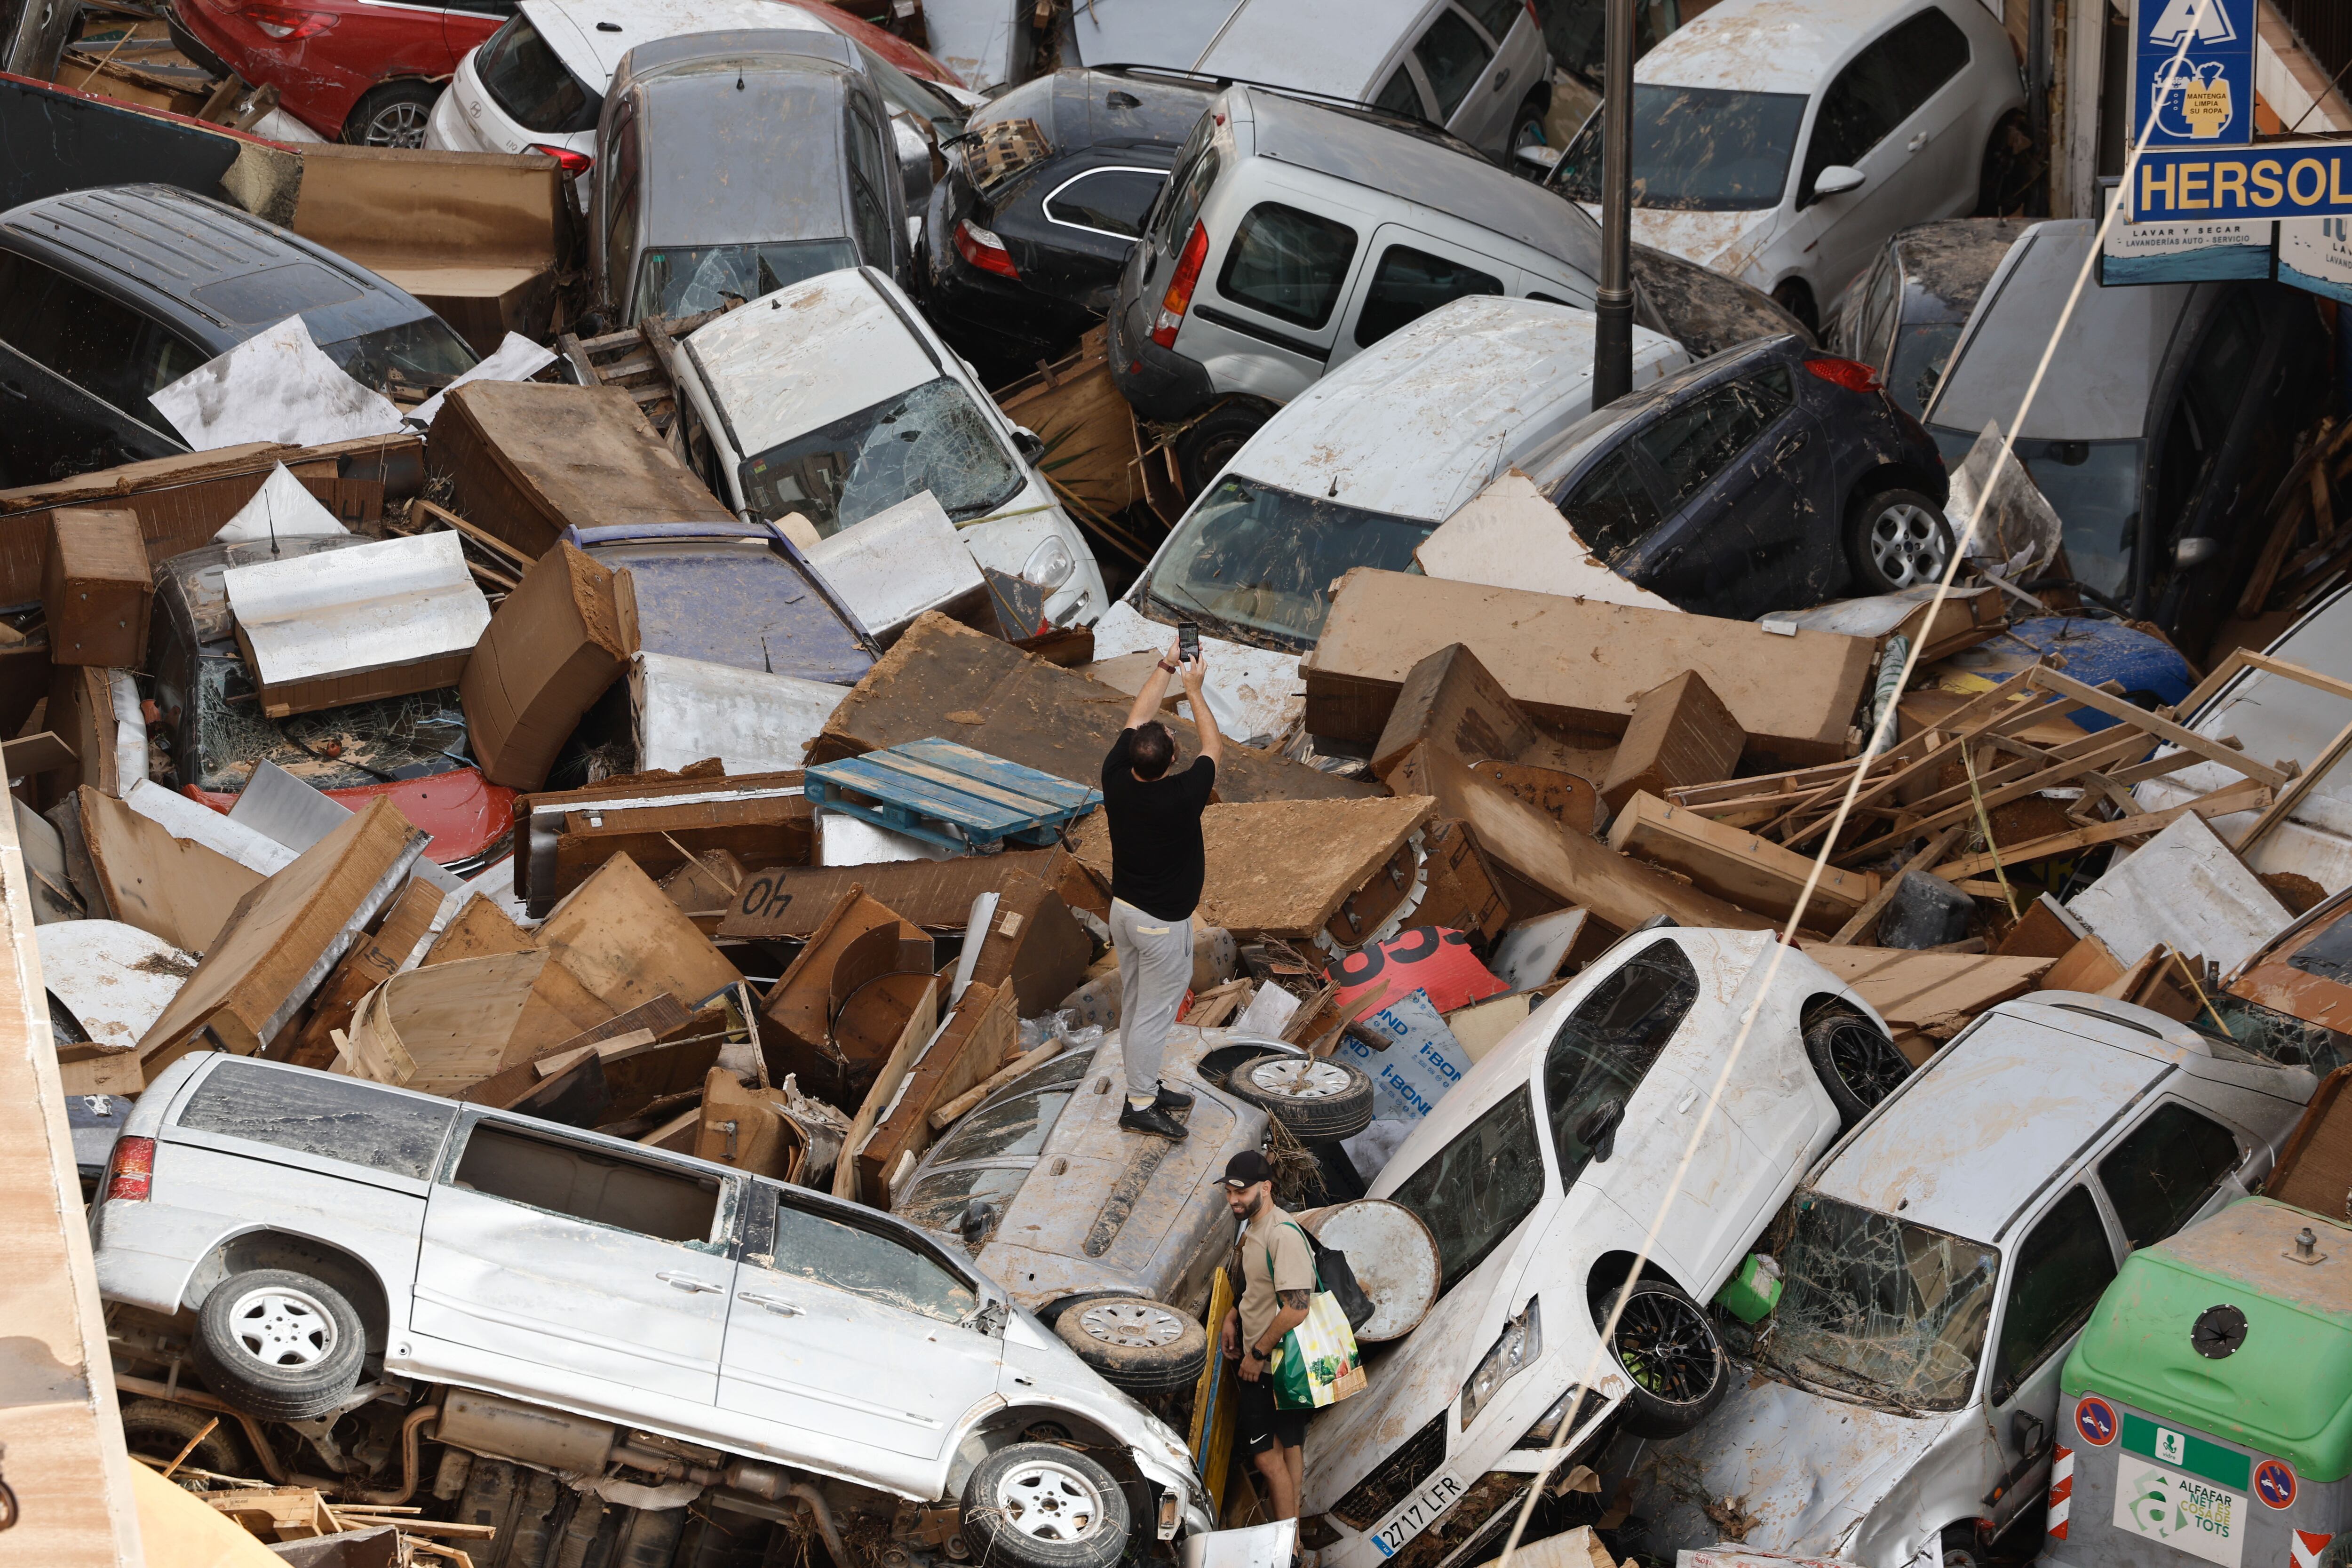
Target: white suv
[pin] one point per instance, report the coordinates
(639, 1322)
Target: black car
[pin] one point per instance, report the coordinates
(1905, 315)
(1768, 477)
(111, 294)
(1028, 230)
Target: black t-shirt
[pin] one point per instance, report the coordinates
(1156, 860)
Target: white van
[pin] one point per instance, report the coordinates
(1356, 471)
(834, 398)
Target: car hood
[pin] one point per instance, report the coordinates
(1721, 242)
(1799, 1470)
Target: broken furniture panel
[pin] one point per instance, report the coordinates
(1567, 798)
(943, 679)
(1730, 863)
(919, 1027)
(283, 937)
(95, 589)
(793, 902)
(627, 944)
(1927, 997)
(277, 385)
(761, 820)
(1462, 894)
(2186, 889)
(339, 626)
(897, 563)
(1580, 664)
(174, 888)
(1510, 535)
(448, 1027)
(1033, 945)
(1449, 698)
(1679, 734)
(1962, 618)
(554, 646)
(96, 712)
(375, 958)
(683, 710)
(478, 930)
(532, 1059)
(983, 1033)
(115, 980)
(862, 952)
(748, 1128)
(949, 795)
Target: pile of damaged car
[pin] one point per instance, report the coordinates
(1236, 783)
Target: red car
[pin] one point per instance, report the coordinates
(367, 71)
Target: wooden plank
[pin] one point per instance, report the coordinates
(2162, 727)
(2032, 783)
(1913, 990)
(2244, 796)
(1753, 872)
(490, 541)
(922, 1024)
(945, 1116)
(964, 762)
(619, 933)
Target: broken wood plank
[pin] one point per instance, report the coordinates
(1753, 872)
(2163, 729)
(2244, 796)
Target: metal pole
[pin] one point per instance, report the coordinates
(1612, 348)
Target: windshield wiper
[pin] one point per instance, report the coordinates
(1885, 1391)
(1214, 624)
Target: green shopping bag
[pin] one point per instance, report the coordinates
(1316, 1363)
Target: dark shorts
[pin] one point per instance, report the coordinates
(1258, 1424)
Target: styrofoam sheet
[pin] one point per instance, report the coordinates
(277, 385)
(283, 508)
(350, 612)
(685, 709)
(2187, 889)
(892, 567)
(115, 979)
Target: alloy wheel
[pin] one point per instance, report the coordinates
(1047, 1500)
(1666, 1347)
(281, 1327)
(397, 125)
(1908, 545)
(1865, 1060)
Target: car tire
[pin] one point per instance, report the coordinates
(1140, 1346)
(1316, 1099)
(279, 1345)
(1041, 1505)
(1857, 1064)
(1527, 131)
(1674, 1364)
(391, 115)
(1896, 539)
(162, 1431)
(1209, 443)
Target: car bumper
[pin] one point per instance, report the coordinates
(1159, 384)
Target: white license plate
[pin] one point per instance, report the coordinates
(1418, 1512)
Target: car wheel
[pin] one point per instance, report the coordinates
(279, 1345)
(1316, 1100)
(1527, 131)
(1671, 1356)
(1041, 1505)
(2005, 178)
(1209, 443)
(393, 115)
(1796, 299)
(1140, 1346)
(1897, 539)
(1858, 1065)
(1958, 1547)
(162, 1431)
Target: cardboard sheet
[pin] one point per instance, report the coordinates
(554, 646)
(897, 563)
(347, 625)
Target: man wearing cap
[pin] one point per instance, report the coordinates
(1277, 1280)
(1157, 866)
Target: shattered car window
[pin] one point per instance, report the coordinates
(2278, 1037)
(422, 353)
(2094, 488)
(320, 1113)
(931, 437)
(392, 738)
(1876, 1307)
(937, 1202)
(1007, 1129)
(1696, 149)
(1608, 1044)
(825, 1251)
(1477, 1189)
(684, 280)
(1262, 560)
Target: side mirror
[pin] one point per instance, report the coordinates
(1028, 443)
(977, 1219)
(2187, 552)
(1837, 179)
(2027, 1433)
(1596, 1128)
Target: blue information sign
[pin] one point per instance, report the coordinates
(2193, 72)
(2276, 179)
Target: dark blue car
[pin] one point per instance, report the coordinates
(1768, 477)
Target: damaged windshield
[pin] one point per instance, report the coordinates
(1696, 149)
(1262, 560)
(1874, 1306)
(411, 737)
(933, 437)
(1478, 1188)
(687, 279)
(423, 353)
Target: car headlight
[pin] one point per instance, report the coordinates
(1516, 1349)
(1050, 564)
(1547, 1427)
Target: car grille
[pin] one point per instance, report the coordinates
(1370, 1501)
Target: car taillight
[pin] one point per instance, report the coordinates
(281, 23)
(570, 162)
(1852, 374)
(131, 1170)
(983, 249)
(1533, 14)
(1179, 297)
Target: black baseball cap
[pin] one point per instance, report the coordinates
(1246, 1169)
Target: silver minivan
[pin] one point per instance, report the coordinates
(1292, 234)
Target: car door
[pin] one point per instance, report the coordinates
(1734, 468)
(548, 1260)
(1516, 69)
(1269, 316)
(1873, 117)
(75, 369)
(851, 1334)
(1457, 63)
(1410, 274)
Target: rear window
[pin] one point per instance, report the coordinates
(1113, 201)
(1288, 263)
(530, 86)
(323, 1114)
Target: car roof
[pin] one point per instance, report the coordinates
(1144, 32)
(1418, 169)
(1947, 264)
(1965, 1144)
(1764, 46)
(2104, 372)
(741, 136)
(174, 247)
(1461, 380)
(591, 36)
(1315, 45)
(811, 353)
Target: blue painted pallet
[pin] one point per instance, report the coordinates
(949, 795)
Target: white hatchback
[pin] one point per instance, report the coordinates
(1781, 142)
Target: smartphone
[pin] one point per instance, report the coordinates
(1188, 642)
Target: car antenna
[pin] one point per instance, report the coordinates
(738, 78)
(270, 510)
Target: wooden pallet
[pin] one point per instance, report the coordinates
(949, 795)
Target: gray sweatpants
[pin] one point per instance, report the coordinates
(1155, 967)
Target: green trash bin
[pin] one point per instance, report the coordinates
(2206, 1412)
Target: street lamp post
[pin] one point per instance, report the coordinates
(1613, 349)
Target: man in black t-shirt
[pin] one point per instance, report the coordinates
(1156, 871)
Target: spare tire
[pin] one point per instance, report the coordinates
(1140, 1346)
(1316, 1099)
(279, 1345)
(161, 1430)
(1041, 1505)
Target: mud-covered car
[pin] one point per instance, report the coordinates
(1539, 1176)
(1938, 1266)
(384, 1270)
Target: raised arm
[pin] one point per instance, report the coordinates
(1147, 701)
(1212, 745)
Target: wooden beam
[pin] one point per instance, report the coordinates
(2162, 729)
(2289, 797)
(488, 540)
(2032, 783)
(2242, 796)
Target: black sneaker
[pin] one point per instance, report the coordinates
(1172, 1099)
(1153, 1119)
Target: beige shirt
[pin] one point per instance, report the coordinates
(1274, 1233)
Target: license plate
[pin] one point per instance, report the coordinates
(1418, 1512)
